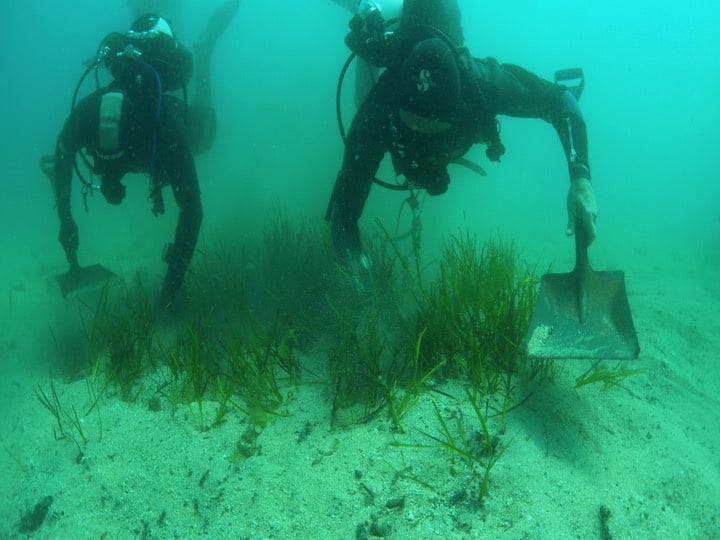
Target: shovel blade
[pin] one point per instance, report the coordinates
(83, 279)
(561, 328)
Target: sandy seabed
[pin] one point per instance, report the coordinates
(648, 452)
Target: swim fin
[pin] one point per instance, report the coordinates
(218, 23)
(83, 278)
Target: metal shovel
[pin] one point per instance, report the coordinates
(583, 313)
(82, 279)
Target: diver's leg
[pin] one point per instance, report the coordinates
(167, 8)
(201, 119)
(219, 21)
(442, 14)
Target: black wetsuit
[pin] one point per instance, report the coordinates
(156, 142)
(488, 89)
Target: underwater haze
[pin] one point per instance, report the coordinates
(649, 103)
(649, 449)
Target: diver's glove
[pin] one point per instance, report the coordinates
(354, 262)
(177, 265)
(582, 207)
(356, 266)
(367, 37)
(69, 240)
(113, 190)
(157, 204)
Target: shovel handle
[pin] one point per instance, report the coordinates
(582, 268)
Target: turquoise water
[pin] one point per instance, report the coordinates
(649, 105)
(652, 113)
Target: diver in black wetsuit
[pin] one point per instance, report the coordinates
(430, 105)
(134, 125)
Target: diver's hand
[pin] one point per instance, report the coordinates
(581, 206)
(69, 240)
(357, 267)
(177, 262)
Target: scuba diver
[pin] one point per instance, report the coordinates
(431, 104)
(135, 124)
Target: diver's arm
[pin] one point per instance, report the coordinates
(365, 147)
(176, 162)
(513, 91)
(71, 139)
(570, 126)
(180, 253)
